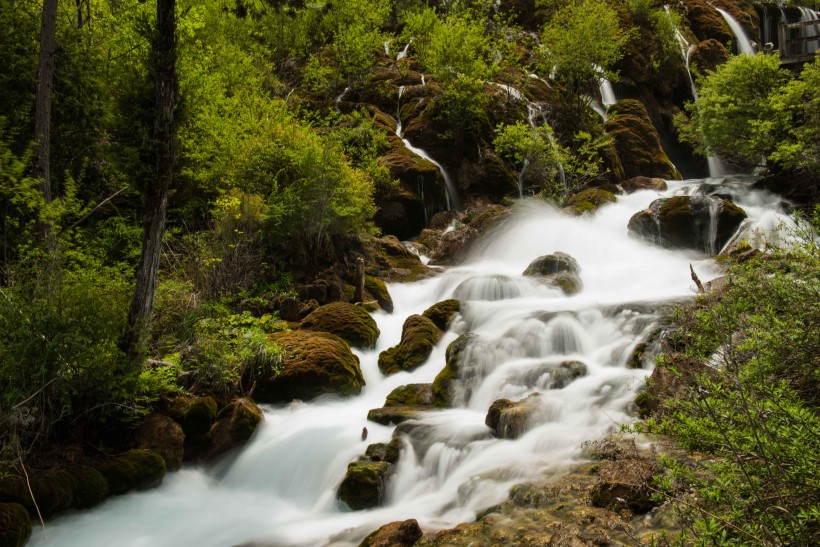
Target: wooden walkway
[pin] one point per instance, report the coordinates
(799, 42)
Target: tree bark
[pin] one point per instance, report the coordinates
(156, 195)
(42, 108)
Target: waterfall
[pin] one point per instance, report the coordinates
(521, 178)
(340, 97)
(534, 111)
(807, 15)
(744, 46)
(450, 193)
(403, 53)
(280, 489)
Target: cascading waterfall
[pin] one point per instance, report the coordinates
(806, 15)
(744, 46)
(450, 194)
(280, 490)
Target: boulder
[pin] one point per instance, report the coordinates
(140, 469)
(349, 322)
(588, 200)
(705, 22)
(453, 246)
(389, 259)
(442, 312)
(15, 525)
(378, 290)
(404, 403)
(394, 534)
(625, 484)
(637, 142)
(313, 363)
(393, 415)
(558, 269)
(364, 484)
(446, 379)
(644, 183)
(510, 420)
(162, 434)
(687, 222)
(196, 415)
(418, 337)
(707, 55)
(236, 424)
(56, 490)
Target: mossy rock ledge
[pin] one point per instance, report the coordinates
(314, 363)
(365, 483)
(443, 312)
(15, 525)
(686, 222)
(418, 337)
(403, 403)
(349, 322)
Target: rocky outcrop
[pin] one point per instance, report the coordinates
(389, 259)
(589, 200)
(313, 363)
(394, 534)
(349, 322)
(625, 476)
(637, 142)
(418, 337)
(643, 183)
(234, 427)
(708, 55)
(403, 403)
(15, 525)
(558, 269)
(366, 480)
(704, 223)
(164, 436)
(442, 313)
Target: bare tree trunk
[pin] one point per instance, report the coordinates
(42, 108)
(156, 198)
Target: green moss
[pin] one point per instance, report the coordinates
(350, 323)
(637, 142)
(411, 395)
(589, 200)
(90, 489)
(442, 312)
(378, 290)
(194, 414)
(418, 337)
(140, 469)
(15, 525)
(363, 485)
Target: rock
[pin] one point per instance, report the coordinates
(418, 337)
(378, 290)
(399, 211)
(56, 490)
(194, 414)
(163, 435)
(384, 452)
(705, 22)
(588, 200)
(625, 483)
(394, 534)
(643, 183)
(675, 374)
(349, 322)
(389, 259)
(558, 269)
(393, 415)
(236, 424)
(313, 363)
(140, 469)
(454, 246)
(566, 372)
(511, 419)
(685, 222)
(442, 312)
(446, 379)
(637, 142)
(90, 486)
(708, 55)
(364, 484)
(404, 403)
(15, 525)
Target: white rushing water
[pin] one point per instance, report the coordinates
(280, 490)
(744, 45)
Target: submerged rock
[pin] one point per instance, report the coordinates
(558, 269)
(394, 534)
(349, 322)
(313, 363)
(418, 337)
(703, 223)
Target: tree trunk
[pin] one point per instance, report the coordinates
(42, 108)
(156, 196)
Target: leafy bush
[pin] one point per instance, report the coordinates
(758, 413)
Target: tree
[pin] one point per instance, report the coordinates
(42, 110)
(156, 194)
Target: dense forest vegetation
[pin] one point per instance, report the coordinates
(270, 128)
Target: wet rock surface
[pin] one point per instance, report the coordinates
(349, 322)
(418, 337)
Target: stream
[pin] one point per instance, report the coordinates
(280, 490)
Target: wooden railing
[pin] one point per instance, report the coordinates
(798, 41)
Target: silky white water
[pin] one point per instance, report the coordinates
(280, 490)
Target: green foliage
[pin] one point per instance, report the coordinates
(758, 414)
(750, 107)
(583, 41)
(531, 149)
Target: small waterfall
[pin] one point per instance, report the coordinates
(607, 93)
(450, 193)
(521, 178)
(534, 111)
(423, 83)
(387, 47)
(340, 97)
(744, 46)
(403, 53)
(807, 15)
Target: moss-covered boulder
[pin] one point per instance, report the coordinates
(404, 403)
(162, 434)
(394, 534)
(418, 337)
(56, 490)
(136, 469)
(644, 183)
(442, 312)
(557, 269)
(90, 486)
(707, 55)
(704, 223)
(349, 322)
(364, 484)
(589, 200)
(313, 363)
(234, 427)
(705, 22)
(510, 420)
(194, 414)
(378, 290)
(15, 525)
(637, 142)
(443, 385)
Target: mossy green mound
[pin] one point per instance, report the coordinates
(313, 363)
(136, 469)
(378, 290)
(588, 200)
(15, 525)
(364, 484)
(350, 323)
(637, 142)
(418, 337)
(442, 312)
(194, 414)
(236, 424)
(445, 380)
